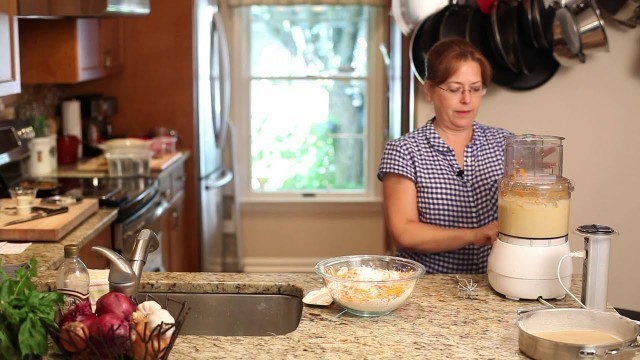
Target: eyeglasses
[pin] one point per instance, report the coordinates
(455, 90)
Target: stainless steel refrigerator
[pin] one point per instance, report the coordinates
(212, 125)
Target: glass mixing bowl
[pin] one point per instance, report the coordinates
(370, 285)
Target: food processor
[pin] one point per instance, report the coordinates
(533, 221)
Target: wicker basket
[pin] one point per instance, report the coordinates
(151, 346)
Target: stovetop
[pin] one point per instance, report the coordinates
(127, 194)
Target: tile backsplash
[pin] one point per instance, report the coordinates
(36, 100)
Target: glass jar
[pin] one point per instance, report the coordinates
(533, 201)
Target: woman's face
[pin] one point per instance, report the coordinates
(457, 100)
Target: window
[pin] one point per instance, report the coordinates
(310, 101)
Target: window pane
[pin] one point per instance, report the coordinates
(308, 135)
(308, 40)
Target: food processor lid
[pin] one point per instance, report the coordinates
(537, 183)
(595, 230)
(534, 137)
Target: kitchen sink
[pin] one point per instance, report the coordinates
(221, 314)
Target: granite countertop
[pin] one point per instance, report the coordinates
(51, 254)
(436, 322)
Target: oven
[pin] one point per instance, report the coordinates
(140, 206)
(126, 229)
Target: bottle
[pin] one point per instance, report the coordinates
(72, 280)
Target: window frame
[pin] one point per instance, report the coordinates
(377, 106)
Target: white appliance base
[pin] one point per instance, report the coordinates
(529, 272)
(528, 289)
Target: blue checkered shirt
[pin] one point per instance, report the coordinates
(447, 197)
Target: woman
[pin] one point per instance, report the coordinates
(440, 181)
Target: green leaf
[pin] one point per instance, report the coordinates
(24, 314)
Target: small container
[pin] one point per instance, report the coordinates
(129, 162)
(23, 196)
(162, 145)
(68, 149)
(41, 159)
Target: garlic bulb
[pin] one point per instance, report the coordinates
(161, 316)
(148, 307)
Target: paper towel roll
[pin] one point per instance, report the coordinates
(72, 121)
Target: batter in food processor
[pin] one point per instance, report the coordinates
(533, 221)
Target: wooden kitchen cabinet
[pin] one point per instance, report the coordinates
(9, 50)
(93, 260)
(172, 189)
(67, 51)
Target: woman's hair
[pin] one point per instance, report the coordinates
(445, 57)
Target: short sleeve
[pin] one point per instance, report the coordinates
(398, 159)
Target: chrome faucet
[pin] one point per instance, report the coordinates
(124, 276)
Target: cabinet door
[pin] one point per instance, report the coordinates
(112, 45)
(68, 51)
(9, 51)
(92, 259)
(90, 65)
(174, 255)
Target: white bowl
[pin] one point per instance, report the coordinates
(370, 285)
(125, 143)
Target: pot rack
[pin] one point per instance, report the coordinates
(526, 41)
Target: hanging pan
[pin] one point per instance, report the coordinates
(545, 66)
(504, 38)
(578, 30)
(408, 14)
(539, 19)
(422, 39)
(454, 22)
(625, 12)
(479, 34)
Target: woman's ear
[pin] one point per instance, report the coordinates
(428, 91)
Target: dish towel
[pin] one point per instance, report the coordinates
(98, 285)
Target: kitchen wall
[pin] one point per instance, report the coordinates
(595, 107)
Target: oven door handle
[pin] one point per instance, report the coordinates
(162, 206)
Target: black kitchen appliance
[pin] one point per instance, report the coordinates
(96, 111)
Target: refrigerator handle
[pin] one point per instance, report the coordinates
(222, 180)
(217, 24)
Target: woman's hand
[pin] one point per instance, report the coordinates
(486, 235)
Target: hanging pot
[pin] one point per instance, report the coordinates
(578, 30)
(422, 39)
(504, 35)
(454, 22)
(409, 14)
(539, 333)
(525, 46)
(625, 12)
(540, 19)
(479, 33)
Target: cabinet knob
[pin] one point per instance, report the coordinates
(107, 59)
(174, 218)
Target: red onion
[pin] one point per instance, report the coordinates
(115, 303)
(110, 334)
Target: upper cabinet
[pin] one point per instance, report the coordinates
(68, 51)
(9, 53)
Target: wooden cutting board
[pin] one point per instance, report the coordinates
(52, 228)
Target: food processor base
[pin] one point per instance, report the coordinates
(528, 272)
